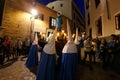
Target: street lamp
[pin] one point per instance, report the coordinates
(34, 12)
(32, 18)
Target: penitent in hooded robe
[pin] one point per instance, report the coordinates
(46, 68)
(32, 59)
(69, 59)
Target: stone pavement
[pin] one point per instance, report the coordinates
(17, 71)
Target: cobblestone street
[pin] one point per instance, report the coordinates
(17, 71)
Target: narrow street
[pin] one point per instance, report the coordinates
(16, 70)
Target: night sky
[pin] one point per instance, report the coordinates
(45, 2)
(79, 3)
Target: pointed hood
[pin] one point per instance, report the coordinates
(76, 37)
(50, 46)
(69, 31)
(36, 39)
(70, 47)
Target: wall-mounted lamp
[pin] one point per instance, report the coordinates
(34, 12)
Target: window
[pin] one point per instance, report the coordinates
(90, 32)
(88, 19)
(61, 5)
(52, 7)
(2, 2)
(74, 15)
(98, 24)
(52, 22)
(49, 32)
(108, 9)
(38, 34)
(117, 21)
(97, 2)
(87, 4)
(40, 16)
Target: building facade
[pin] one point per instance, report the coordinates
(102, 17)
(77, 19)
(17, 20)
(69, 9)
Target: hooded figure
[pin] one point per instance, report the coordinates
(77, 42)
(32, 59)
(46, 69)
(69, 59)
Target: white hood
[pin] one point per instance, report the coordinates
(69, 47)
(49, 48)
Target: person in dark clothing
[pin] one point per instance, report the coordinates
(98, 42)
(7, 44)
(88, 51)
(111, 50)
(59, 46)
(19, 47)
(79, 46)
(116, 60)
(103, 52)
(27, 44)
(41, 43)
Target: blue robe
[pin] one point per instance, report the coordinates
(69, 66)
(32, 59)
(46, 69)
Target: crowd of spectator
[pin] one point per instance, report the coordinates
(107, 51)
(12, 49)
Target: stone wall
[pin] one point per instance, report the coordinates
(16, 21)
